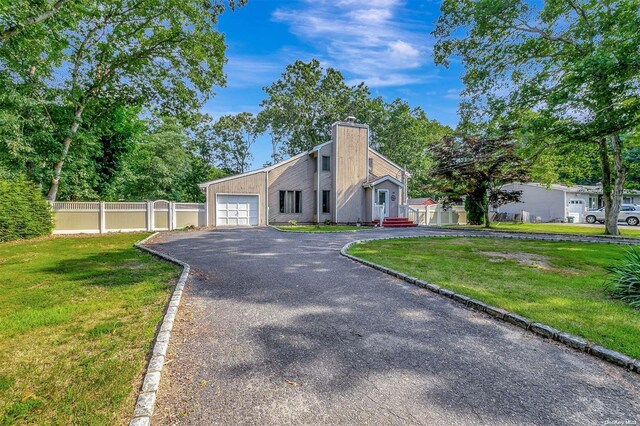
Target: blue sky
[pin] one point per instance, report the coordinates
(385, 43)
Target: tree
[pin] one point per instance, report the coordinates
(305, 101)
(166, 53)
(575, 62)
(234, 136)
(477, 168)
(404, 135)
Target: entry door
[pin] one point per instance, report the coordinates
(237, 210)
(383, 199)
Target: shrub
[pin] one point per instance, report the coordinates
(293, 223)
(327, 222)
(624, 278)
(475, 210)
(24, 213)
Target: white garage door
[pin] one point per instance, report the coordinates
(235, 210)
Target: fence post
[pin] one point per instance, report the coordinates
(450, 216)
(102, 218)
(172, 215)
(438, 215)
(427, 213)
(149, 213)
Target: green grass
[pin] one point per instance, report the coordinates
(565, 290)
(554, 228)
(322, 228)
(77, 318)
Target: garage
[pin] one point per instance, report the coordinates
(236, 210)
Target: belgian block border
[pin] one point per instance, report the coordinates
(146, 401)
(540, 329)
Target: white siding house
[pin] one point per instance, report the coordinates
(555, 203)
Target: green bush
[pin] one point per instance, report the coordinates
(624, 278)
(24, 213)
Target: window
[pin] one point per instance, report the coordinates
(326, 201)
(370, 165)
(627, 208)
(627, 200)
(326, 163)
(290, 201)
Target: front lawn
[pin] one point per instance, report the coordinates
(77, 318)
(322, 228)
(553, 228)
(557, 283)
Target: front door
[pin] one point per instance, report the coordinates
(383, 200)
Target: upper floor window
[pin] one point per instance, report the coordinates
(326, 163)
(290, 201)
(370, 165)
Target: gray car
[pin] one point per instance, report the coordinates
(629, 213)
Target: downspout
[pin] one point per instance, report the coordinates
(318, 187)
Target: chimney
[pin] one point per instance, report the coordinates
(350, 119)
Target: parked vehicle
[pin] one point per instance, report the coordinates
(629, 213)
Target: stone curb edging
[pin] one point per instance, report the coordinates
(581, 238)
(146, 401)
(540, 329)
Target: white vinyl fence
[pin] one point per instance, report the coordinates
(101, 217)
(435, 215)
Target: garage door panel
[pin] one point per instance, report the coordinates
(234, 210)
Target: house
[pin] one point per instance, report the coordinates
(555, 203)
(343, 181)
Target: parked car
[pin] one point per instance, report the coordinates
(629, 213)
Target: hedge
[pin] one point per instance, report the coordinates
(24, 213)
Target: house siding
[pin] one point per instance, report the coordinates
(297, 175)
(245, 185)
(538, 201)
(382, 167)
(349, 158)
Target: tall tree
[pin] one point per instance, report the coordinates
(476, 168)
(575, 62)
(234, 136)
(163, 52)
(301, 106)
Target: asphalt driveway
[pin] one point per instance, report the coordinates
(278, 328)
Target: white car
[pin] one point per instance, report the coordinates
(629, 213)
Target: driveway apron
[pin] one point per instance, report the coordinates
(278, 328)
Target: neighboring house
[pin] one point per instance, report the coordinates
(420, 202)
(343, 181)
(555, 203)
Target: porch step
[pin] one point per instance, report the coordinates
(397, 222)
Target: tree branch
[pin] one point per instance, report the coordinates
(11, 31)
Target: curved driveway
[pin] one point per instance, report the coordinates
(278, 328)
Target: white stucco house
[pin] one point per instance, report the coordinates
(555, 202)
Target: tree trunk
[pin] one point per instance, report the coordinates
(66, 143)
(612, 186)
(485, 207)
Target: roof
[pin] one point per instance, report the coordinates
(385, 178)
(421, 202)
(584, 189)
(266, 169)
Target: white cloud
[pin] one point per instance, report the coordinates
(366, 39)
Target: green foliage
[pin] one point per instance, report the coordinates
(233, 137)
(159, 165)
(301, 105)
(624, 278)
(576, 63)
(24, 213)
